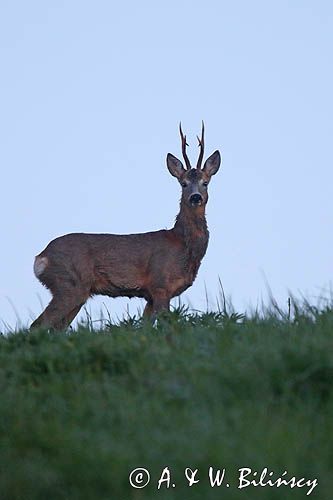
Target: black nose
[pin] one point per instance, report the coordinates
(196, 199)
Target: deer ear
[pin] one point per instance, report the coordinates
(212, 164)
(175, 166)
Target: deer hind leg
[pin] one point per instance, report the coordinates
(51, 315)
(66, 321)
(59, 313)
(74, 312)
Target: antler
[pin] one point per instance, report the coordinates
(184, 144)
(201, 145)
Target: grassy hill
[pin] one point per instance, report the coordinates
(80, 410)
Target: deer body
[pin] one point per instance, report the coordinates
(156, 266)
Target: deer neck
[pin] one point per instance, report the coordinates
(191, 227)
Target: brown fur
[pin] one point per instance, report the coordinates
(156, 266)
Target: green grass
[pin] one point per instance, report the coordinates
(80, 410)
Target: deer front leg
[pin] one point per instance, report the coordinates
(148, 310)
(161, 302)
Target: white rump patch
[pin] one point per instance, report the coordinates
(40, 265)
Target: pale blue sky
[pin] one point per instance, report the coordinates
(91, 97)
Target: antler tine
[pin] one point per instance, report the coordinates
(201, 145)
(184, 144)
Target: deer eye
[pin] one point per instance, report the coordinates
(184, 184)
(205, 183)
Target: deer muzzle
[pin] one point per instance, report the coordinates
(196, 199)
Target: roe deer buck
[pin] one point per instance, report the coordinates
(157, 265)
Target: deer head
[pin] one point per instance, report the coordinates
(194, 181)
